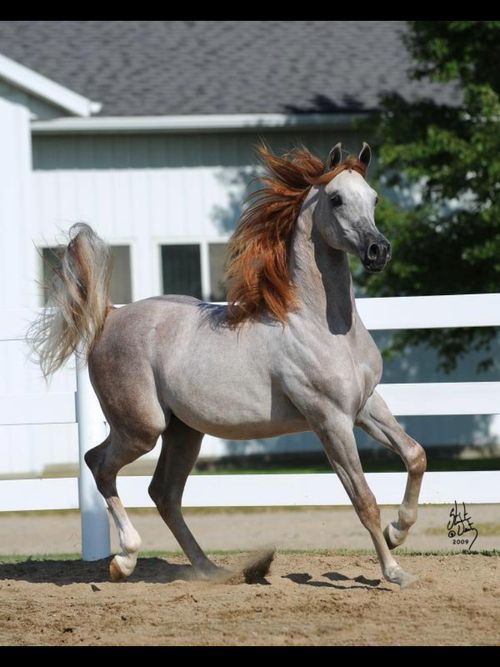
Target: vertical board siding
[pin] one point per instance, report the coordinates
(20, 375)
(28, 449)
(17, 256)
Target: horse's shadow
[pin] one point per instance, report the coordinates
(156, 570)
(62, 573)
(357, 582)
(148, 570)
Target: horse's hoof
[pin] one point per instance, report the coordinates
(398, 576)
(114, 570)
(394, 537)
(408, 579)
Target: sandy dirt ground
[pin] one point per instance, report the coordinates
(325, 598)
(307, 599)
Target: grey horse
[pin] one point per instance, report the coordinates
(288, 354)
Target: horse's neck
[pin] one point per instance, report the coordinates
(322, 278)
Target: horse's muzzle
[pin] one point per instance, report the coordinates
(376, 255)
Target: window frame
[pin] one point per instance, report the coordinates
(203, 243)
(160, 260)
(121, 241)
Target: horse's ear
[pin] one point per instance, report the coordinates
(334, 157)
(365, 155)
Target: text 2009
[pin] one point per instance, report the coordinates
(460, 541)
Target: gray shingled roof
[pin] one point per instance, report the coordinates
(141, 68)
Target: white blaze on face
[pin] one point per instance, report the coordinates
(353, 217)
(358, 198)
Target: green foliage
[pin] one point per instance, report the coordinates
(439, 167)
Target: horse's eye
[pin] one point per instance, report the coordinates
(376, 201)
(336, 200)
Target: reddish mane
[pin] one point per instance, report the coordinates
(257, 272)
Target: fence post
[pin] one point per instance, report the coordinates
(92, 431)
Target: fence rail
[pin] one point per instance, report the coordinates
(267, 490)
(257, 490)
(430, 312)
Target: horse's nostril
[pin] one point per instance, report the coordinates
(373, 251)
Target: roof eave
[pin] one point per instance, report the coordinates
(40, 86)
(195, 123)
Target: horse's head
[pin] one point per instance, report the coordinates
(344, 214)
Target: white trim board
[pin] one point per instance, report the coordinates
(40, 86)
(194, 123)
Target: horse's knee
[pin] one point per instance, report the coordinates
(155, 492)
(166, 501)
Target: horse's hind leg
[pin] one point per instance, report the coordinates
(377, 420)
(105, 461)
(180, 449)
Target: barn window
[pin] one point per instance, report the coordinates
(194, 269)
(120, 288)
(181, 269)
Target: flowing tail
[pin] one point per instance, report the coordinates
(78, 301)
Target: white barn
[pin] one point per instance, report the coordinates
(146, 130)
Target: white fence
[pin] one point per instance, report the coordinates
(264, 490)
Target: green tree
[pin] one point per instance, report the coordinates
(440, 169)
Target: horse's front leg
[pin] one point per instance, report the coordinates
(336, 434)
(377, 420)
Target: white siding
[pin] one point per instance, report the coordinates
(38, 109)
(17, 255)
(21, 447)
(29, 448)
(146, 190)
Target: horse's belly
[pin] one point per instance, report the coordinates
(235, 410)
(251, 430)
